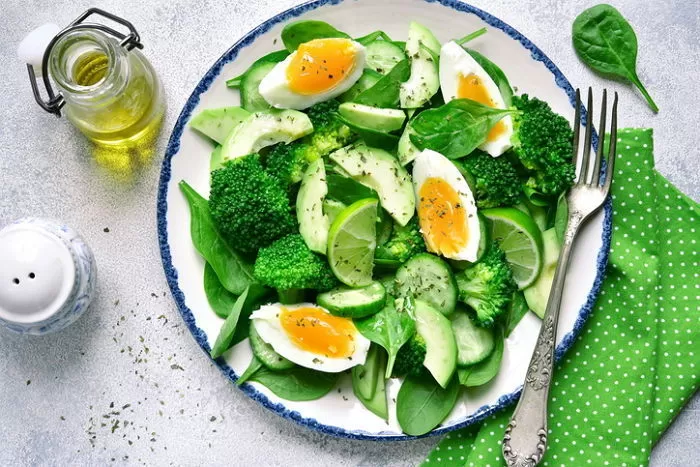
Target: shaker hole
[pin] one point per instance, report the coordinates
(16, 281)
(32, 275)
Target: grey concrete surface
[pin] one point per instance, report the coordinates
(130, 360)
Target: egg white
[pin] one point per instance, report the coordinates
(455, 61)
(274, 87)
(267, 324)
(430, 164)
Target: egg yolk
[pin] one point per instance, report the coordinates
(472, 87)
(443, 219)
(319, 332)
(320, 64)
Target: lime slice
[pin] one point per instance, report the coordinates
(351, 242)
(519, 237)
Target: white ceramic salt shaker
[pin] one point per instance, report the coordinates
(47, 276)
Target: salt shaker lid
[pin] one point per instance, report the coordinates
(38, 273)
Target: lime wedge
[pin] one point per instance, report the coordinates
(519, 237)
(352, 240)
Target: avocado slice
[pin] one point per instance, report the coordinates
(263, 129)
(217, 124)
(440, 344)
(313, 222)
(373, 117)
(424, 81)
(537, 294)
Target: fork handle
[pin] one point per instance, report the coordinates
(525, 440)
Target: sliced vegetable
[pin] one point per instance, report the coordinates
(486, 370)
(474, 343)
(273, 57)
(429, 278)
(368, 382)
(537, 294)
(313, 222)
(372, 137)
(441, 347)
(354, 302)
(215, 161)
(234, 272)
(424, 81)
(406, 150)
(385, 92)
(375, 118)
(264, 351)
(382, 56)
(217, 124)
(368, 79)
(422, 404)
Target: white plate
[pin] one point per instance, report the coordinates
(187, 157)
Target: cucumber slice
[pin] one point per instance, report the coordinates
(265, 353)
(474, 343)
(217, 124)
(440, 344)
(382, 56)
(427, 277)
(372, 117)
(251, 100)
(354, 303)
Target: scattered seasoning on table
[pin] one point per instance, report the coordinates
(106, 230)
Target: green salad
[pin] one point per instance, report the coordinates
(385, 208)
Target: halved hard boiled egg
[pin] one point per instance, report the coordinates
(317, 71)
(446, 208)
(310, 336)
(461, 77)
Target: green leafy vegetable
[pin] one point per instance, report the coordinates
(471, 36)
(484, 371)
(254, 366)
(220, 299)
(422, 404)
(296, 384)
(518, 308)
(389, 328)
(372, 137)
(244, 306)
(298, 32)
(234, 272)
(368, 382)
(496, 75)
(385, 92)
(373, 36)
(606, 42)
(455, 129)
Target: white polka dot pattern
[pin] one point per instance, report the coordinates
(636, 362)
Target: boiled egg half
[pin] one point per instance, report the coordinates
(461, 77)
(446, 208)
(317, 71)
(310, 336)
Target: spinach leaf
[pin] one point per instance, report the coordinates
(456, 128)
(484, 371)
(273, 57)
(368, 382)
(346, 190)
(234, 272)
(496, 75)
(606, 42)
(296, 384)
(244, 305)
(422, 404)
(254, 366)
(471, 36)
(389, 328)
(372, 137)
(298, 32)
(373, 36)
(220, 299)
(516, 311)
(385, 92)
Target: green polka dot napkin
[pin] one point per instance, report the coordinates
(635, 363)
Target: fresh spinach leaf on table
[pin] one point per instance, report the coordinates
(606, 42)
(422, 403)
(390, 328)
(298, 32)
(456, 128)
(234, 272)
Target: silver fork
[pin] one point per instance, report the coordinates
(525, 439)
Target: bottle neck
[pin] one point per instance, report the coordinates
(88, 66)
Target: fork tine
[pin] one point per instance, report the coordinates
(595, 176)
(583, 172)
(610, 169)
(577, 127)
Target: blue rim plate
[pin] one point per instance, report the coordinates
(602, 233)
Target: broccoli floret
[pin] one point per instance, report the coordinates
(287, 162)
(248, 207)
(405, 242)
(496, 181)
(542, 140)
(410, 357)
(487, 286)
(289, 266)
